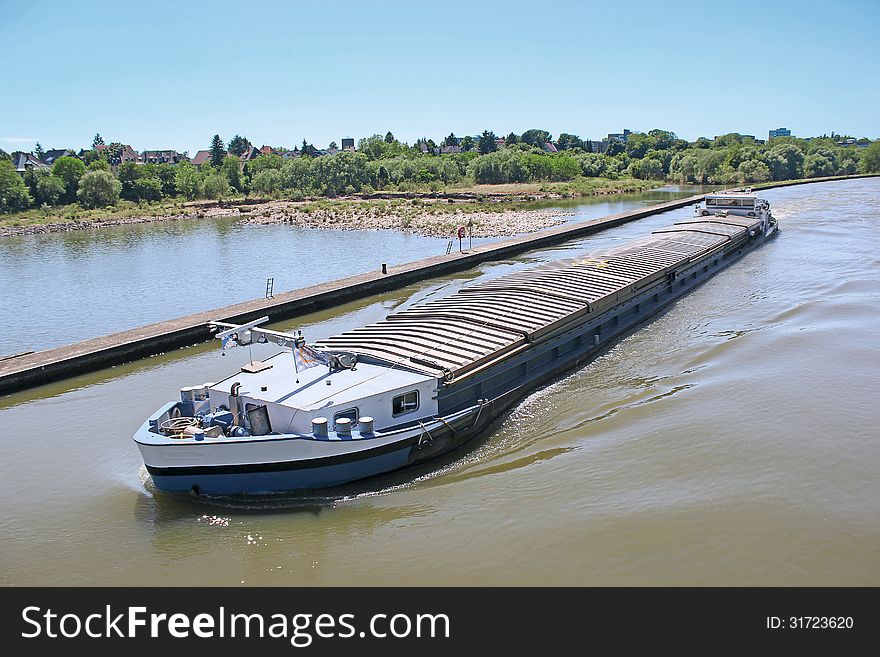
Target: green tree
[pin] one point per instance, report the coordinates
(97, 141)
(334, 147)
(262, 163)
(647, 168)
(238, 145)
(753, 171)
(148, 189)
(267, 182)
(374, 147)
(166, 175)
(511, 139)
(662, 140)
(567, 142)
(637, 144)
(683, 166)
(49, 189)
(382, 177)
(489, 169)
(592, 165)
(98, 189)
(818, 166)
(536, 138)
(101, 164)
(786, 161)
(389, 138)
(231, 168)
(468, 144)
(5, 156)
(451, 140)
(128, 173)
(216, 186)
(505, 166)
(871, 158)
(708, 165)
(486, 143)
(297, 174)
(614, 148)
(217, 152)
(70, 170)
(14, 193)
(563, 168)
(113, 153)
(696, 165)
(188, 180)
(308, 149)
(848, 163)
(38, 151)
(343, 174)
(616, 166)
(90, 156)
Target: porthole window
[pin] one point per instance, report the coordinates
(405, 403)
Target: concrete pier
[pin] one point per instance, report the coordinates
(26, 370)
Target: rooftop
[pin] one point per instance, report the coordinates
(312, 392)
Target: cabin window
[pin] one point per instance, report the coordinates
(710, 202)
(352, 414)
(405, 403)
(748, 202)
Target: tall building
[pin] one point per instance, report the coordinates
(347, 144)
(780, 132)
(622, 137)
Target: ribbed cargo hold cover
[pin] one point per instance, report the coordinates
(485, 321)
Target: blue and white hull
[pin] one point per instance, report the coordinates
(268, 464)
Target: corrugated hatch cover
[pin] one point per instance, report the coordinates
(491, 320)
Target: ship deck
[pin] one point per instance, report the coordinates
(492, 320)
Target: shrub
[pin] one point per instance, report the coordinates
(148, 189)
(98, 189)
(217, 186)
(14, 193)
(49, 189)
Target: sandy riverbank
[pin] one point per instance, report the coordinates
(423, 220)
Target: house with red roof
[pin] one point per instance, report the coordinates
(202, 157)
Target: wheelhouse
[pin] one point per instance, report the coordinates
(744, 204)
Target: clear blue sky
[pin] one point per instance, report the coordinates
(164, 74)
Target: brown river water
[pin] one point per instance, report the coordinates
(733, 440)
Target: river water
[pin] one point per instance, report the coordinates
(732, 441)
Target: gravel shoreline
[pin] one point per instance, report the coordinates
(418, 221)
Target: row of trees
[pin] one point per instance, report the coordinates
(68, 181)
(736, 160)
(655, 155)
(385, 163)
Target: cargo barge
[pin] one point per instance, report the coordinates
(425, 380)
